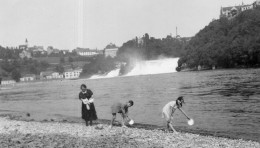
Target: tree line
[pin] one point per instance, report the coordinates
(225, 43)
(15, 68)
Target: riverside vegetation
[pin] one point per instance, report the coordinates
(226, 43)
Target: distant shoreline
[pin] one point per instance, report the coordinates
(233, 68)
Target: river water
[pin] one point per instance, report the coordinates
(221, 102)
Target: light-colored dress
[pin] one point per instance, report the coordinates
(168, 110)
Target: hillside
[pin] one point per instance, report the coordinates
(226, 43)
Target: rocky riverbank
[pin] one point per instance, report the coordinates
(14, 133)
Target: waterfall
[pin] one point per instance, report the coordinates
(145, 68)
(154, 67)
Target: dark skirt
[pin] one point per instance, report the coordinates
(90, 114)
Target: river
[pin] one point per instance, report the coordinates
(221, 102)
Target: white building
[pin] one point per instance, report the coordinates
(86, 52)
(50, 75)
(24, 54)
(56, 75)
(72, 73)
(28, 77)
(7, 82)
(247, 7)
(233, 11)
(110, 52)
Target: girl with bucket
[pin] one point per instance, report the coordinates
(169, 109)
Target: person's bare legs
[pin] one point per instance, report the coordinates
(167, 124)
(170, 124)
(123, 120)
(112, 120)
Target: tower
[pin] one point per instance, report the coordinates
(26, 42)
(176, 32)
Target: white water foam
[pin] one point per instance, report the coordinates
(111, 74)
(145, 68)
(154, 67)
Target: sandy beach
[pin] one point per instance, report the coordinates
(15, 133)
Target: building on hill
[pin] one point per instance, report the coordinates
(51, 50)
(86, 51)
(29, 51)
(233, 11)
(64, 51)
(139, 41)
(24, 46)
(37, 50)
(26, 54)
(111, 50)
(186, 39)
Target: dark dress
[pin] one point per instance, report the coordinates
(86, 114)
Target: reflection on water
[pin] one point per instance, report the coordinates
(222, 102)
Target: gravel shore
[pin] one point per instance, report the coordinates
(25, 134)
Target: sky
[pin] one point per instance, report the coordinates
(67, 24)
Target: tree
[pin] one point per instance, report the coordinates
(70, 59)
(62, 60)
(59, 68)
(99, 64)
(226, 43)
(16, 75)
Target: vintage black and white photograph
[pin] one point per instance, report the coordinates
(129, 73)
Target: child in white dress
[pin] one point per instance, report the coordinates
(170, 108)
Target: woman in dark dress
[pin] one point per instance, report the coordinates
(88, 111)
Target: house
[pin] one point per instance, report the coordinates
(6, 81)
(86, 51)
(65, 51)
(233, 11)
(46, 75)
(28, 77)
(26, 54)
(56, 75)
(50, 75)
(24, 46)
(111, 50)
(51, 50)
(37, 50)
(72, 73)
